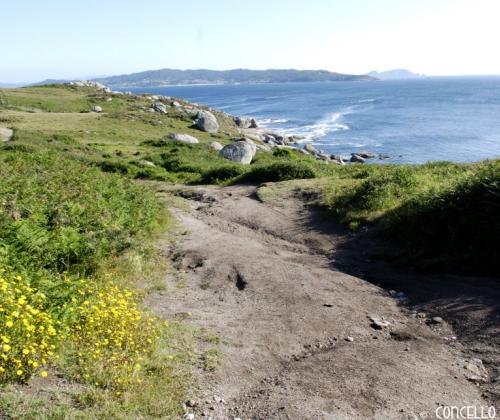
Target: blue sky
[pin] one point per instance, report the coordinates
(58, 39)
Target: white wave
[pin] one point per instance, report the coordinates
(328, 124)
(268, 121)
(364, 101)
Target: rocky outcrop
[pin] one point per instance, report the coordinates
(245, 122)
(310, 148)
(355, 158)
(240, 152)
(207, 122)
(159, 107)
(182, 138)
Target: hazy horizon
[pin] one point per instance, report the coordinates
(55, 40)
(101, 76)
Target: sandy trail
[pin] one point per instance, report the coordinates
(262, 278)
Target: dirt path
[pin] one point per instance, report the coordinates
(298, 341)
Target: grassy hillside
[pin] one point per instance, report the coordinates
(76, 233)
(76, 256)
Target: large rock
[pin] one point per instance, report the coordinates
(240, 152)
(207, 122)
(96, 108)
(183, 138)
(250, 143)
(357, 159)
(6, 134)
(310, 148)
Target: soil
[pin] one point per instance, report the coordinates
(312, 328)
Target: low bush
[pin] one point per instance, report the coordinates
(222, 173)
(457, 229)
(277, 171)
(60, 215)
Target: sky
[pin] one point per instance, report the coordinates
(77, 39)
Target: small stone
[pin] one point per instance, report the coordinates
(379, 324)
(349, 338)
(191, 403)
(476, 372)
(189, 416)
(437, 320)
(96, 108)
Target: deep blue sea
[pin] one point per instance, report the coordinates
(456, 119)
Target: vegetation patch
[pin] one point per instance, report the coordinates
(277, 171)
(66, 229)
(439, 216)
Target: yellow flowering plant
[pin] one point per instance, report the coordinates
(111, 339)
(27, 331)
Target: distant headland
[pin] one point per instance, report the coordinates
(172, 77)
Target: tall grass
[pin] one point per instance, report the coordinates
(439, 216)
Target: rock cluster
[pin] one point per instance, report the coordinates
(245, 122)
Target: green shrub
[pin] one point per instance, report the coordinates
(277, 171)
(222, 173)
(60, 215)
(454, 229)
(282, 153)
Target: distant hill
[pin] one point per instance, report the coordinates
(166, 77)
(395, 74)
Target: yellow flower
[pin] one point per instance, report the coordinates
(6, 348)
(19, 372)
(9, 324)
(44, 374)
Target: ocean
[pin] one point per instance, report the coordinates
(415, 121)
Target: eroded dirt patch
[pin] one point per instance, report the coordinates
(299, 341)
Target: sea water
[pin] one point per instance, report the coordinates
(414, 121)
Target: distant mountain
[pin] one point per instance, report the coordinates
(395, 74)
(167, 77)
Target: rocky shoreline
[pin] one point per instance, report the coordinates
(252, 137)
